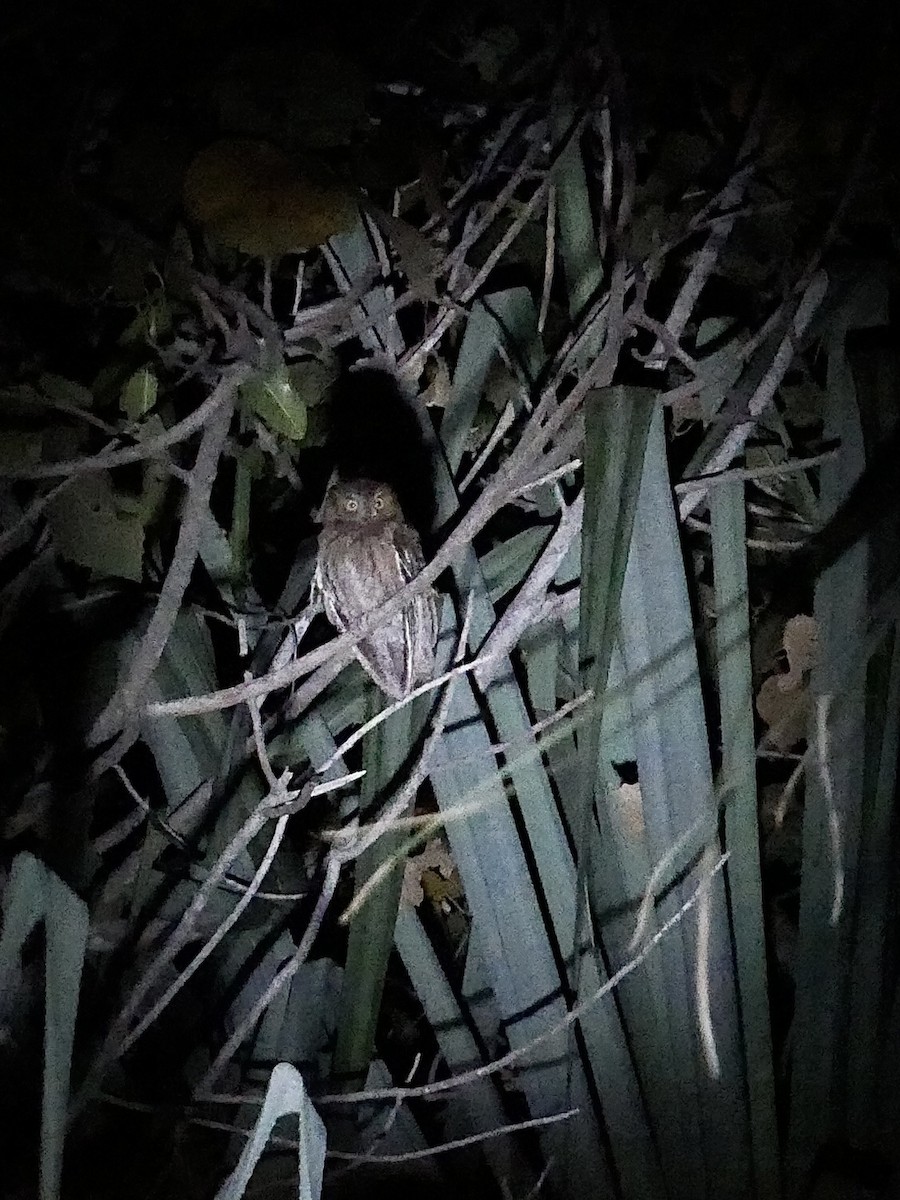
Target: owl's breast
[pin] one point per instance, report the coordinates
(358, 570)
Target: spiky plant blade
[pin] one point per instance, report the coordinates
(741, 823)
(35, 894)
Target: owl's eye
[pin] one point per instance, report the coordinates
(351, 505)
(378, 502)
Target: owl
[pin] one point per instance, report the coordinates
(367, 553)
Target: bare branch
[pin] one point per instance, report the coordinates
(151, 447)
(127, 697)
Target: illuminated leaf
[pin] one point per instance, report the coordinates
(285, 1095)
(272, 397)
(801, 636)
(785, 710)
(256, 198)
(91, 528)
(139, 393)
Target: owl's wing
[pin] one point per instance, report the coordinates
(409, 550)
(421, 614)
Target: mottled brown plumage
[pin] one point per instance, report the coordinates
(367, 553)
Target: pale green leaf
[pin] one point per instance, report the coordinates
(91, 527)
(286, 1094)
(139, 393)
(34, 894)
(272, 397)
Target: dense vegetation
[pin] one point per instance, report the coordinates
(610, 907)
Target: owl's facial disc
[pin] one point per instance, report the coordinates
(383, 504)
(360, 501)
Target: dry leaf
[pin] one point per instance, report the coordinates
(784, 711)
(783, 698)
(801, 644)
(417, 257)
(435, 858)
(439, 391)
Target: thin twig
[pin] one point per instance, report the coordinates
(502, 426)
(509, 236)
(126, 699)
(826, 776)
(438, 1087)
(210, 945)
(151, 447)
(111, 1047)
(481, 225)
(701, 971)
(422, 690)
(520, 613)
(718, 458)
(287, 1143)
(349, 847)
(573, 464)
(333, 656)
(333, 867)
(392, 810)
(11, 535)
(549, 258)
(788, 467)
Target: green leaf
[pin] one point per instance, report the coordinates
(708, 1124)
(271, 397)
(741, 828)
(578, 247)
(34, 894)
(239, 536)
(482, 1108)
(617, 422)
(501, 318)
(139, 393)
(833, 799)
(91, 527)
(372, 928)
(506, 565)
(286, 1094)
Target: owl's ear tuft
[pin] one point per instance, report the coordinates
(339, 502)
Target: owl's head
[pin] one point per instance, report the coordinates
(360, 501)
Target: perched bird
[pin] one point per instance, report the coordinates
(367, 553)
